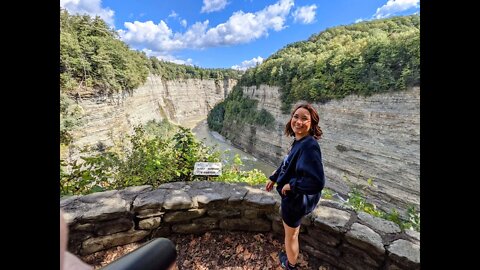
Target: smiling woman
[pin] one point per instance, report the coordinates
(300, 178)
(300, 123)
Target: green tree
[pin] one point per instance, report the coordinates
(364, 58)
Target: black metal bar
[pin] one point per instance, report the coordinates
(157, 254)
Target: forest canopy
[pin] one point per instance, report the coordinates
(94, 59)
(363, 58)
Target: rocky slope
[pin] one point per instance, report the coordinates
(375, 137)
(183, 101)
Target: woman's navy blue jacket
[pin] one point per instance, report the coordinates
(303, 170)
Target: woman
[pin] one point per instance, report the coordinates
(300, 178)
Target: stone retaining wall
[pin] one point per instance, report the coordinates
(333, 233)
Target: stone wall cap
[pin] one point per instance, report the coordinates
(414, 234)
(403, 249)
(149, 200)
(96, 206)
(332, 218)
(379, 224)
(362, 236)
(259, 196)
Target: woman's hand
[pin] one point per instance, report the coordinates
(269, 185)
(285, 189)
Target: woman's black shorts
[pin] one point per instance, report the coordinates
(293, 210)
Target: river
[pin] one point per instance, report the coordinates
(214, 139)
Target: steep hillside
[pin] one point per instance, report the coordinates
(96, 66)
(364, 80)
(364, 58)
(375, 137)
(105, 119)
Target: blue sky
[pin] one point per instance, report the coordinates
(228, 33)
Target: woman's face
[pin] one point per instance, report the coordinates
(301, 122)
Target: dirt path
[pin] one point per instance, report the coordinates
(218, 250)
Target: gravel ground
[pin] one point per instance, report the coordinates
(218, 250)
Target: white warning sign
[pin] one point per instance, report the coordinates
(207, 168)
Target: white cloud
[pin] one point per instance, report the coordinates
(249, 63)
(168, 57)
(180, 61)
(175, 15)
(89, 7)
(147, 34)
(239, 28)
(305, 14)
(358, 20)
(395, 6)
(213, 5)
(183, 23)
(244, 27)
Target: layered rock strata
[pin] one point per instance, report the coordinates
(375, 137)
(107, 119)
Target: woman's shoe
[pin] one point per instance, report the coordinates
(282, 257)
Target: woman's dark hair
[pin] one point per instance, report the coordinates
(315, 130)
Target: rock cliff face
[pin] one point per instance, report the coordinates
(375, 137)
(184, 102)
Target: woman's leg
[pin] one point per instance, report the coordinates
(291, 243)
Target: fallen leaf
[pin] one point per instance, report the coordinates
(239, 249)
(273, 255)
(217, 250)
